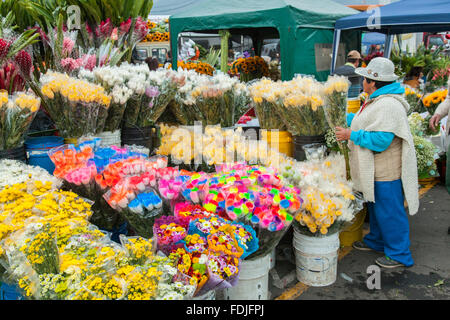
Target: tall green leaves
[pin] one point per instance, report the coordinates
(212, 57)
(423, 57)
(29, 13)
(95, 11)
(25, 39)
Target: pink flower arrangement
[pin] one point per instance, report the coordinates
(114, 34)
(170, 189)
(125, 27)
(4, 48)
(91, 61)
(24, 62)
(83, 175)
(191, 211)
(68, 45)
(88, 29)
(87, 61)
(170, 229)
(140, 29)
(440, 74)
(152, 91)
(10, 79)
(71, 64)
(105, 29)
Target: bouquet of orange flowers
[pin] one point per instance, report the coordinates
(433, 100)
(197, 66)
(250, 68)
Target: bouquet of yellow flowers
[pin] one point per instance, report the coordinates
(330, 204)
(303, 115)
(264, 100)
(302, 108)
(49, 248)
(413, 98)
(432, 100)
(78, 107)
(250, 68)
(16, 114)
(335, 96)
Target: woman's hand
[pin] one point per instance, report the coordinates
(434, 121)
(343, 134)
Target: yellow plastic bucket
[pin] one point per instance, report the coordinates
(353, 105)
(354, 232)
(71, 141)
(285, 142)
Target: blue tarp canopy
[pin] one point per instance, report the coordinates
(406, 16)
(170, 7)
(373, 38)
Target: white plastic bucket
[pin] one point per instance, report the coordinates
(253, 281)
(272, 258)
(210, 295)
(110, 138)
(316, 259)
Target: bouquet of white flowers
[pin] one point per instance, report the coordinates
(126, 85)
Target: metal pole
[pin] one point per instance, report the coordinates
(388, 47)
(336, 40)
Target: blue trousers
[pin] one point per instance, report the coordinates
(389, 225)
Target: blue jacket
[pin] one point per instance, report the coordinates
(377, 141)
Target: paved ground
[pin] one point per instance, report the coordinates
(428, 279)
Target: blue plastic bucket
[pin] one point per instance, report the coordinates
(115, 233)
(122, 229)
(37, 150)
(9, 292)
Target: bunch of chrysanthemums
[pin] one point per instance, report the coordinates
(50, 250)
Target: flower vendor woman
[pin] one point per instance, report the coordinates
(442, 111)
(383, 163)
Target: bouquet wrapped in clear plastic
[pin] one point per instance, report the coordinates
(335, 96)
(265, 105)
(16, 115)
(77, 107)
(140, 210)
(169, 232)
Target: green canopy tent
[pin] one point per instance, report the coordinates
(305, 29)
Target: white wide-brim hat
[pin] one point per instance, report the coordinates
(379, 69)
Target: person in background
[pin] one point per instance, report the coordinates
(168, 57)
(444, 110)
(372, 50)
(383, 163)
(348, 70)
(412, 79)
(153, 63)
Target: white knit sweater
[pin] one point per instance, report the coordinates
(385, 113)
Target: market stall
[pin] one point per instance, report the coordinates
(166, 225)
(407, 17)
(304, 29)
(117, 217)
(396, 18)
